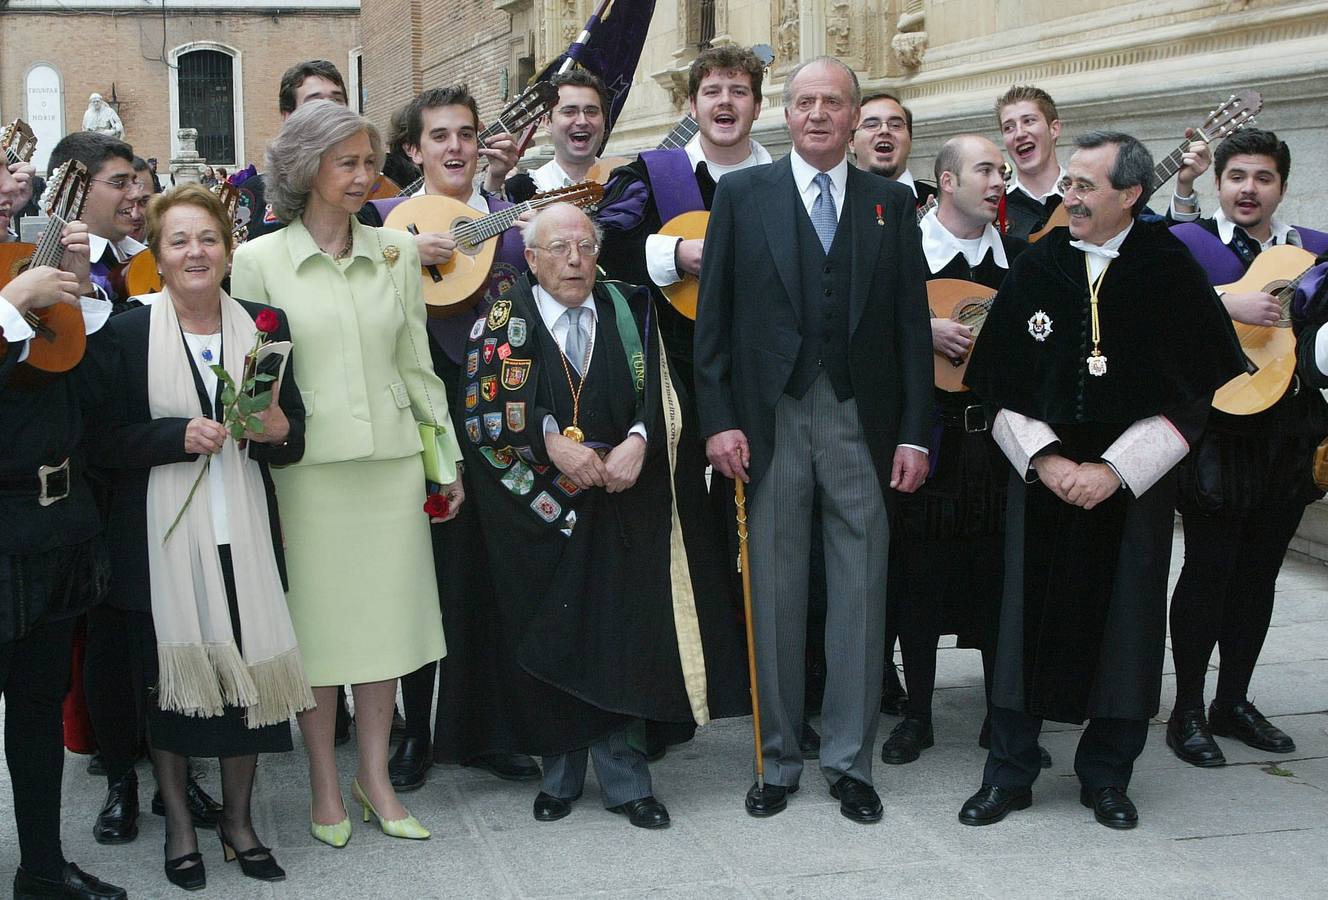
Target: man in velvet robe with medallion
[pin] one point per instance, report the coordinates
(1101, 386)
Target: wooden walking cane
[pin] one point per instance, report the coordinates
(745, 567)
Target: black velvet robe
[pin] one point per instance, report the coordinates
(1083, 618)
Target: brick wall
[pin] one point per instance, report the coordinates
(93, 51)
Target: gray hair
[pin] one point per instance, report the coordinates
(294, 155)
(1134, 164)
(530, 229)
(856, 94)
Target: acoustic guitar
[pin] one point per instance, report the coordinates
(1236, 113)
(534, 104)
(967, 303)
(140, 273)
(455, 286)
(1277, 271)
(60, 337)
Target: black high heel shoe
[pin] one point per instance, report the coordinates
(183, 875)
(256, 862)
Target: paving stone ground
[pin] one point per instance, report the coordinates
(1256, 828)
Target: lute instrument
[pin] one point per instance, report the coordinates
(18, 142)
(1277, 271)
(967, 303)
(456, 285)
(60, 337)
(1236, 113)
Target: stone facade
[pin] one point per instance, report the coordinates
(1152, 67)
(131, 50)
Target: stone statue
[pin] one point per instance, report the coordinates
(101, 118)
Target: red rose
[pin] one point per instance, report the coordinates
(437, 506)
(266, 321)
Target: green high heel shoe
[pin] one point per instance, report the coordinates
(409, 827)
(337, 835)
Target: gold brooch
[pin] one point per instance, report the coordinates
(391, 254)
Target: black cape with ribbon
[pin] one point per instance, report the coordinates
(582, 579)
(1083, 618)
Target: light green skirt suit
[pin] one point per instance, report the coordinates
(363, 597)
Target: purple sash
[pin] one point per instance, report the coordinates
(1218, 260)
(673, 182)
(1314, 241)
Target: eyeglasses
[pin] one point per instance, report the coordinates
(119, 182)
(894, 125)
(1078, 185)
(564, 248)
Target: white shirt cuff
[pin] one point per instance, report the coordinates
(1021, 438)
(639, 428)
(11, 320)
(923, 450)
(1321, 349)
(660, 259)
(96, 312)
(1184, 216)
(1147, 450)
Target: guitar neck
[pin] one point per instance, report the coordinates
(1288, 293)
(1169, 165)
(49, 252)
(683, 132)
(486, 228)
(411, 189)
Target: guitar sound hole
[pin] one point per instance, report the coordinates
(465, 246)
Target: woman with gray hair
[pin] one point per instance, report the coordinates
(363, 598)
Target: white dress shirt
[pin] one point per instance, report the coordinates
(476, 201)
(940, 245)
(96, 310)
(661, 264)
(1016, 185)
(906, 179)
(123, 249)
(552, 313)
(1099, 255)
(550, 177)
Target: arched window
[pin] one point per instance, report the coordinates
(207, 102)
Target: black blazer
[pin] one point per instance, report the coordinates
(749, 320)
(126, 442)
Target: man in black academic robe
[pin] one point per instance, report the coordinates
(1100, 393)
(571, 423)
(946, 555)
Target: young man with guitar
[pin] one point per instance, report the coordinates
(576, 127)
(110, 207)
(1245, 486)
(52, 564)
(662, 185)
(1030, 127)
(439, 129)
(883, 140)
(946, 564)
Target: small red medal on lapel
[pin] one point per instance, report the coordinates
(880, 215)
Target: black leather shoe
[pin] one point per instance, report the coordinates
(991, 804)
(984, 741)
(646, 812)
(1189, 738)
(511, 766)
(1110, 806)
(857, 801)
(117, 823)
(894, 701)
(549, 808)
(187, 871)
(907, 741)
(73, 882)
(97, 765)
(409, 766)
(809, 742)
(204, 811)
(1245, 723)
(768, 801)
(257, 862)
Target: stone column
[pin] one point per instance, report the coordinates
(188, 165)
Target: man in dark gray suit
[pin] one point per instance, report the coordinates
(813, 377)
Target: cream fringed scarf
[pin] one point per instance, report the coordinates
(202, 670)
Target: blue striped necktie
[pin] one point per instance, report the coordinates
(824, 219)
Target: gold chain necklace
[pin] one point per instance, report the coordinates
(573, 432)
(1097, 363)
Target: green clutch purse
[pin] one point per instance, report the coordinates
(432, 454)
